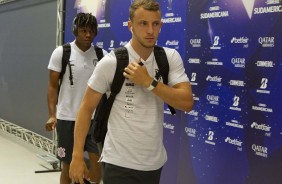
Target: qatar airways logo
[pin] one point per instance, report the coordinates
(260, 150)
(195, 42)
(266, 41)
(212, 99)
(238, 62)
(191, 132)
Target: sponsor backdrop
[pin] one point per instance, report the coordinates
(232, 52)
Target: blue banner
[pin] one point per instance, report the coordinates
(232, 55)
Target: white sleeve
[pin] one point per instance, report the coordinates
(55, 62)
(177, 72)
(102, 77)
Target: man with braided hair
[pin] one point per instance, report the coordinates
(64, 101)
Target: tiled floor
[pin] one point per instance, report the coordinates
(18, 163)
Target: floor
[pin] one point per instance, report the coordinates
(18, 163)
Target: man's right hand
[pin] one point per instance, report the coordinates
(51, 124)
(78, 170)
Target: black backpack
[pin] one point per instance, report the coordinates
(66, 62)
(104, 107)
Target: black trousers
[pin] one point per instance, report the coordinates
(119, 175)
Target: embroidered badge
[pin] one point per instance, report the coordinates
(61, 152)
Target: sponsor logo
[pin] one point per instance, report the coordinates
(191, 132)
(214, 8)
(172, 20)
(194, 61)
(266, 41)
(235, 142)
(234, 123)
(236, 100)
(218, 14)
(212, 99)
(210, 138)
(193, 113)
(169, 127)
(262, 127)
(239, 40)
(266, 64)
(195, 42)
(125, 24)
(169, 14)
(100, 44)
(214, 61)
(263, 86)
(237, 83)
(193, 79)
(104, 25)
(196, 98)
(260, 150)
(213, 78)
(215, 44)
(238, 62)
(268, 9)
(269, 2)
(172, 42)
(211, 118)
(262, 107)
(123, 43)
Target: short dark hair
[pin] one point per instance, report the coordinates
(150, 5)
(84, 20)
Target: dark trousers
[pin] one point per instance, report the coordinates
(119, 175)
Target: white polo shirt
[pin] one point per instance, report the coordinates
(135, 127)
(83, 64)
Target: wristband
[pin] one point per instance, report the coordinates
(153, 84)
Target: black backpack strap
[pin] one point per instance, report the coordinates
(104, 107)
(65, 59)
(65, 62)
(163, 66)
(122, 61)
(99, 52)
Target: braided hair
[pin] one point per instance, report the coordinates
(84, 20)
